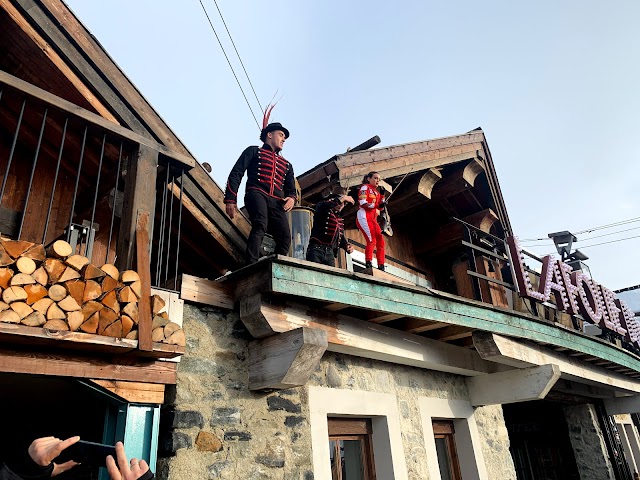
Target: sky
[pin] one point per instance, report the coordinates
(553, 84)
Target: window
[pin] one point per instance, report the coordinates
(350, 449)
(444, 432)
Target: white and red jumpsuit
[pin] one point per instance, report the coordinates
(367, 220)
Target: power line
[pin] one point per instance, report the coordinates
(610, 241)
(597, 236)
(601, 227)
(585, 246)
(229, 62)
(623, 222)
(239, 57)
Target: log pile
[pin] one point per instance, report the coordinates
(57, 289)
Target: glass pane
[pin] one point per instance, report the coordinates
(352, 462)
(443, 458)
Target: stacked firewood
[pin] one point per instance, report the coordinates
(59, 290)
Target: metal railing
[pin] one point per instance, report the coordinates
(67, 174)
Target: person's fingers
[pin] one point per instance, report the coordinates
(144, 467)
(57, 447)
(59, 468)
(112, 469)
(121, 457)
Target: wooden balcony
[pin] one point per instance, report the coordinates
(367, 316)
(64, 168)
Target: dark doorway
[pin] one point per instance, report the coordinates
(540, 444)
(36, 406)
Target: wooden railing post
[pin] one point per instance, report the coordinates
(139, 195)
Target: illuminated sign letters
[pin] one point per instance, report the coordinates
(574, 293)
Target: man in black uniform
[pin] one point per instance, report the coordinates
(327, 233)
(270, 192)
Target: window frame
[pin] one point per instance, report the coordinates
(444, 429)
(341, 428)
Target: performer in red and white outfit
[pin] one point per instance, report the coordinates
(370, 201)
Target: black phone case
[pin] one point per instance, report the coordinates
(89, 453)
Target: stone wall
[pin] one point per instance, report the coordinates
(588, 443)
(214, 427)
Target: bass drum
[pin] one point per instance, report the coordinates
(300, 222)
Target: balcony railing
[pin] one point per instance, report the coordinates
(67, 173)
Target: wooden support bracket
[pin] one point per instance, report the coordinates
(518, 385)
(285, 360)
(520, 353)
(253, 318)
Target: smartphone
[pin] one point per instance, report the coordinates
(89, 453)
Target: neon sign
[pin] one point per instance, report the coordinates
(574, 293)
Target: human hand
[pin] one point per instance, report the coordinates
(349, 248)
(383, 204)
(125, 470)
(348, 199)
(288, 204)
(46, 449)
(231, 209)
(377, 212)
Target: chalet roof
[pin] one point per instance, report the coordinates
(437, 167)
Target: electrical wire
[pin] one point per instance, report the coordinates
(229, 62)
(610, 241)
(601, 227)
(592, 238)
(239, 57)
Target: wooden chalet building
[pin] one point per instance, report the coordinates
(436, 368)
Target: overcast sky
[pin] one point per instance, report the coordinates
(553, 84)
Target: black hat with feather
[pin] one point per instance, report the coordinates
(271, 127)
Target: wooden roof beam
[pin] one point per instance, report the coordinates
(361, 338)
(458, 179)
(26, 27)
(417, 191)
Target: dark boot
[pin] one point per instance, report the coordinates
(368, 265)
(381, 267)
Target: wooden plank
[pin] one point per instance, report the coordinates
(68, 365)
(209, 292)
(383, 317)
(394, 151)
(451, 332)
(518, 385)
(144, 270)
(410, 163)
(514, 352)
(56, 60)
(364, 339)
(139, 195)
(286, 360)
(336, 307)
(81, 113)
(134, 392)
(290, 277)
(15, 334)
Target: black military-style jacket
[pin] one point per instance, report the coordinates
(267, 171)
(328, 225)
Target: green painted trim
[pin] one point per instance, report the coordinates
(350, 290)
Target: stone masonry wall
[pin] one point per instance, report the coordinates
(213, 427)
(588, 443)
